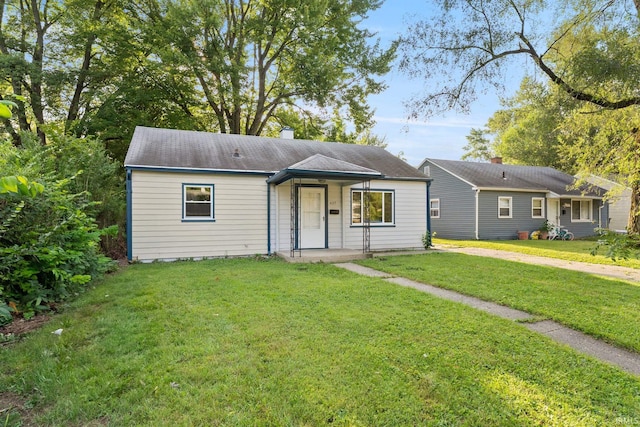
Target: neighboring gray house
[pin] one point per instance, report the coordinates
(487, 201)
(197, 194)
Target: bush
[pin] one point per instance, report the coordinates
(48, 247)
(617, 245)
(49, 237)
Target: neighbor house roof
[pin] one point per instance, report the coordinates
(500, 176)
(154, 148)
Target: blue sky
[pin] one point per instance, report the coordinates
(439, 137)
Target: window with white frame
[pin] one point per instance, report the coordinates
(380, 207)
(504, 207)
(581, 210)
(537, 207)
(197, 202)
(434, 208)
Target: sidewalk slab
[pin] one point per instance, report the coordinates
(626, 360)
(617, 272)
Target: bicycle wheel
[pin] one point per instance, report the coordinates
(568, 236)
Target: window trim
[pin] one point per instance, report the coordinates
(211, 217)
(431, 208)
(373, 224)
(510, 199)
(542, 209)
(590, 202)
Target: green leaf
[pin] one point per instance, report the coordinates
(5, 112)
(8, 184)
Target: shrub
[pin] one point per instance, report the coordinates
(48, 247)
(617, 245)
(49, 236)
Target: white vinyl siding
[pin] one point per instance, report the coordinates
(410, 217)
(159, 231)
(434, 209)
(537, 207)
(581, 210)
(505, 207)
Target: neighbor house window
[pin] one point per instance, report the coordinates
(537, 207)
(504, 207)
(434, 208)
(197, 202)
(380, 207)
(581, 210)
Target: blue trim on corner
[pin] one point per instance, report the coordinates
(268, 219)
(129, 191)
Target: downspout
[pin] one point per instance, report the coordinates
(429, 234)
(477, 190)
(268, 219)
(128, 228)
(600, 214)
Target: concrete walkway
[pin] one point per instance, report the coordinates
(626, 360)
(624, 273)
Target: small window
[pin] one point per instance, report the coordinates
(537, 207)
(427, 170)
(197, 202)
(380, 207)
(504, 207)
(581, 210)
(434, 208)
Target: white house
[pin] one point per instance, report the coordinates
(619, 198)
(197, 195)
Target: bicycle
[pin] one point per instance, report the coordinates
(560, 234)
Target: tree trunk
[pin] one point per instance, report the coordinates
(74, 108)
(37, 104)
(633, 227)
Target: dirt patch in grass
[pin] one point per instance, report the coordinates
(13, 410)
(22, 326)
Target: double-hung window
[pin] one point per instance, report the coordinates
(581, 210)
(504, 207)
(197, 204)
(380, 207)
(434, 208)
(537, 207)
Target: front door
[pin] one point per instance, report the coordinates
(553, 212)
(312, 230)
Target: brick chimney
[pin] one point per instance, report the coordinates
(496, 160)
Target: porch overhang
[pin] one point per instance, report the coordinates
(323, 167)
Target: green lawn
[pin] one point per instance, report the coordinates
(575, 250)
(603, 308)
(247, 342)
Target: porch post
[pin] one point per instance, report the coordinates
(366, 224)
(292, 220)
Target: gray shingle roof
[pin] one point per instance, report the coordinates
(180, 149)
(516, 177)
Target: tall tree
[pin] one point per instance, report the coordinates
(62, 56)
(479, 147)
(591, 55)
(526, 131)
(251, 59)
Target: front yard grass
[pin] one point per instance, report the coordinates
(248, 342)
(603, 308)
(575, 250)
